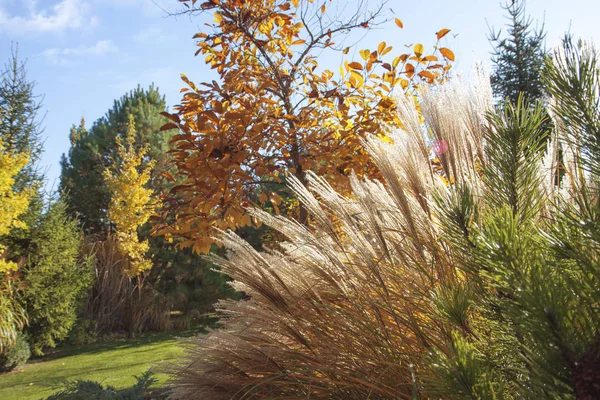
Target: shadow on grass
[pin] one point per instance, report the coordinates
(116, 344)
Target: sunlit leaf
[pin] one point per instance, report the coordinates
(447, 53)
(443, 32)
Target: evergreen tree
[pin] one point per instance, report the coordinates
(518, 58)
(21, 132)
(21, 129)
(56, 277)
(82, 180)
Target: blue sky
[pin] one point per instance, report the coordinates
(84, 54)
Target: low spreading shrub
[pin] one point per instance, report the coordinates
(90, 390)
(16, 355)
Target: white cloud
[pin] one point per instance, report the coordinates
(66, 14)
(60, 56)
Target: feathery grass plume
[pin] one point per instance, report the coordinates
(471, 271)
(342, 309)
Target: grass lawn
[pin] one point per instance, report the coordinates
(112, 363)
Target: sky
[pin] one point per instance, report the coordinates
(84, 54)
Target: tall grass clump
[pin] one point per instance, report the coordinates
(116, 303)
(470, 271)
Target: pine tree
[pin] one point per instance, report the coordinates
(518, 58)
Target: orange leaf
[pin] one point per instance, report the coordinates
(168, 176)
(212, 116)
(426, 74)
(442, 33)
(355, 65)
(168, 127)
(399, 23)
(447, 53)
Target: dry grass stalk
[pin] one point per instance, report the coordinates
(116, 304)
(343, 309)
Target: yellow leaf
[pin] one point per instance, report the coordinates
(419, 49)
(357, 76)
(365, 54)
(447, 53)
(218, 18)
(381, 47)
(385, 51)
(399, 23)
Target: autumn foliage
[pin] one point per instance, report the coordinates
(276, 111)
(14, 203)
(131, 202)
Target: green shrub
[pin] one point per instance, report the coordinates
(90, 390)
(83, 332)
(56, 278)
(16, 355)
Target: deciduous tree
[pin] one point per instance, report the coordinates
(13, 204)
(131, 203)
(274, 110)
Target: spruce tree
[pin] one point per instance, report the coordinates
(21, 129)
(518, 58)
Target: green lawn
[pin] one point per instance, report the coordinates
(112, 363)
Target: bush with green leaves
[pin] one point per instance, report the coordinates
(472, 274)
(16, 355)
(56, 278)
